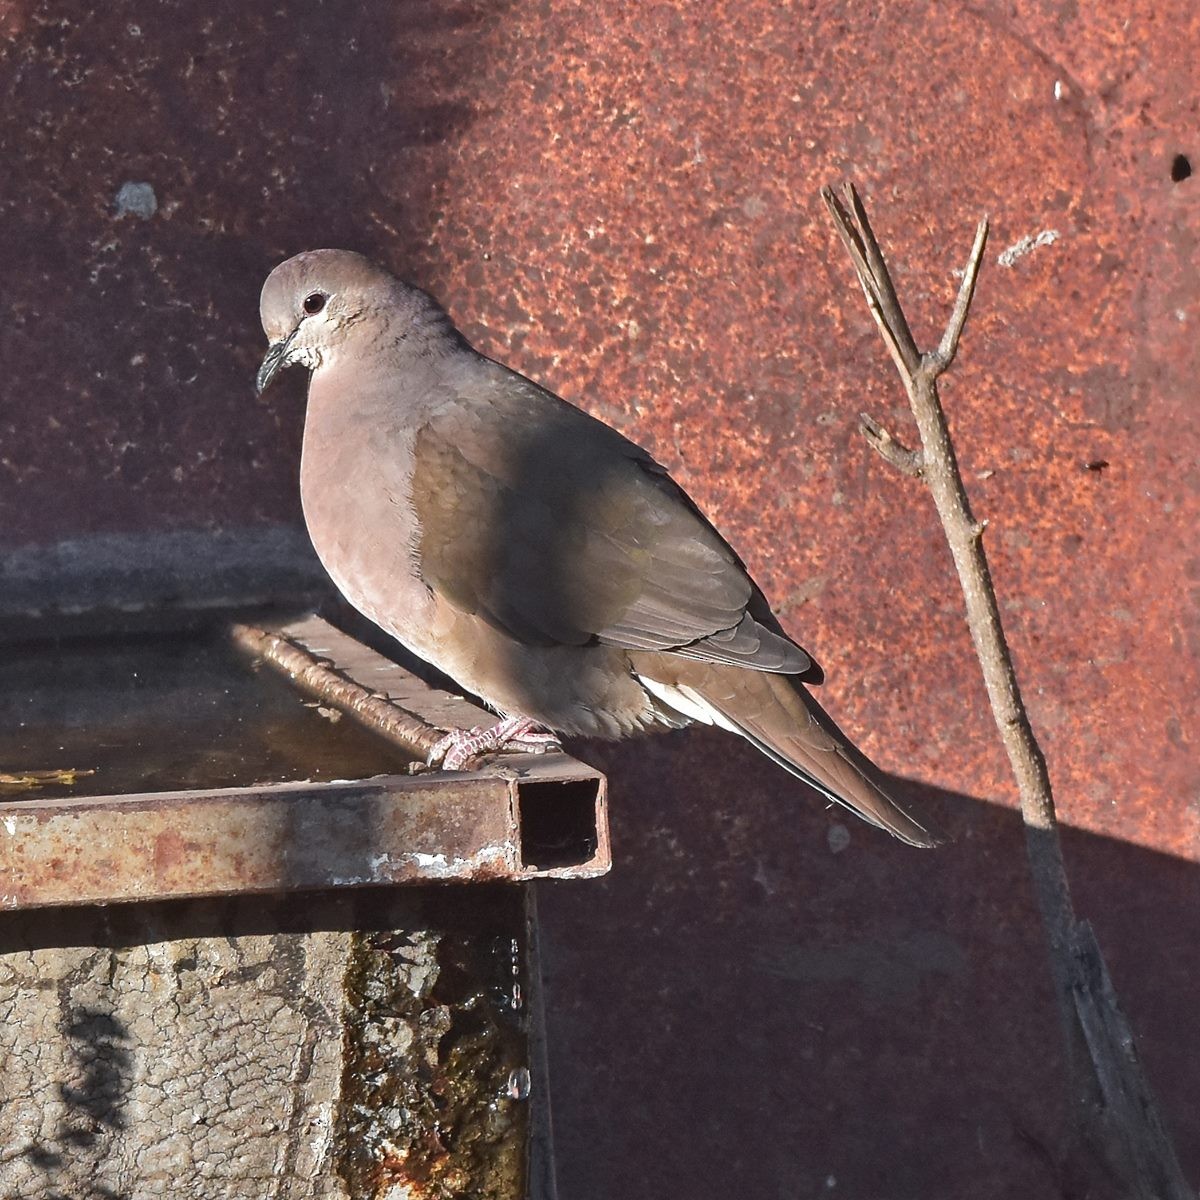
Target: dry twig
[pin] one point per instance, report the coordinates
(1113, 1105)
(320, 678)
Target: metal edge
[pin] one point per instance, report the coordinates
(434, 826)
(381, 694)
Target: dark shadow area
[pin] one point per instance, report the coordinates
(101, 1041)
(773, 1000)
(558, 822)
(159, 162)
(95, 1101)
(482, 907)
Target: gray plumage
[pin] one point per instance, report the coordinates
(526, 549)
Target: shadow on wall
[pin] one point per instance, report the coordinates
(159, 161)
(767, 994)
(95, 1101)
(766, 999)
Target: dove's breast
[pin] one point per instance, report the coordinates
(356, 480)
(355, 476)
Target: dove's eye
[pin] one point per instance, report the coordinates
(314, 303)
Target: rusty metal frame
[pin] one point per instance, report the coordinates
(435, 826)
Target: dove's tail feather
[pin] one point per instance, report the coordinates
(779, 717)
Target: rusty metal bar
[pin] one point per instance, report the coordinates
(316, 674)
(280, 838)
(561, 804)
(517, 817)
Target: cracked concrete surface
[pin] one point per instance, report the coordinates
(204, 1050)
(172, 1068)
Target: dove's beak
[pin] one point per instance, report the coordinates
(276, 360)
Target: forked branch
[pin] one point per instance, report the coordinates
(1114, 1108)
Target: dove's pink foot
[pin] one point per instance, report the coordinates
(512, 733)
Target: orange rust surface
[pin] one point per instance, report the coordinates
(230, 841)
(620, 200)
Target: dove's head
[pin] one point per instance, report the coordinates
(314, 304)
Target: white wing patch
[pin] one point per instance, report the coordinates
(688, 702)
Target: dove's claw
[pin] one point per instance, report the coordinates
(459, 746)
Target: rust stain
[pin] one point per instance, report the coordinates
(621, 202)
(169, 851)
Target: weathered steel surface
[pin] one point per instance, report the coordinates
(359, 1047)
(517, 817)
(621, 201)
(291, 837)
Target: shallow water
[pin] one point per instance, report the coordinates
(165, 713)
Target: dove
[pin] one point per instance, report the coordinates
(527, 550)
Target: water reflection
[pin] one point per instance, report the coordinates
(167, 713)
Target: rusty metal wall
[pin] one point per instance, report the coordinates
(620, 200)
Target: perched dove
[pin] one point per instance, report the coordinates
(526, 549)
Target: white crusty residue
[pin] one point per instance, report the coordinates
(1026, 245)
(436, 866)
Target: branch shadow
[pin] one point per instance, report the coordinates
(768, 999)
(94, 1104)
(252, 133)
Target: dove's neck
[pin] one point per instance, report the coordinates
(382, 383)
(389, 360)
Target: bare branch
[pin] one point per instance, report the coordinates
(911, 462)
(948, 347)
(883, 279)
(881, 296)
(320, 678)
(1102, 1071)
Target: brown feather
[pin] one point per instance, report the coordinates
(780, 717)
(554, 528)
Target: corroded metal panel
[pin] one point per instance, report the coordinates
(144, 810)
(621, 201)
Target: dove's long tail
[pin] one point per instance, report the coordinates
(781, 719)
